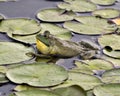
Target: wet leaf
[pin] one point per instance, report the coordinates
(106, 13)
(59, 15)
(85, 81)
(113, 53)
(3, 78)
(70, 91)
(104, 2)
(38, 74)
(110, 40)
(111, 76)
(56, 30)
(89, 66)
(19, 26)
(88, 29)
(11, 52)
(77, 6)
(107, 90)
(35, 93)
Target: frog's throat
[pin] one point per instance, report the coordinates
(44, 49)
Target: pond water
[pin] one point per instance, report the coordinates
(29, 8)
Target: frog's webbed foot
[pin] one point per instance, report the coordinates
(31, 54)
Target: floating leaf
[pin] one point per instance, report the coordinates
(35, 93)
(6, 0)
(85, 81)
(19, 26)
(56, 30)
(13, 52)
(111, 76)
(3, 69)
(3, 78)
(110, 40)
(90, 65)
(88, 29)
(70, 91)
(107, 90)
(106, 13)
(113, 53)
(55, 15)
(1, 17)
(78, 6)
(38, 74)
(104, 2)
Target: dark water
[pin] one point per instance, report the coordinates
(29, 8)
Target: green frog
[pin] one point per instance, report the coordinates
(49, 45)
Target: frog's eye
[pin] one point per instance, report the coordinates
(46, 34)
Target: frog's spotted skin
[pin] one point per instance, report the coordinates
(47, 44)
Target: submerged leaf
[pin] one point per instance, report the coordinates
(104, 2)
(55, 15)
(107, 90)
(110, 40)
(107, 13)
(19, 26)
(111, 76)
(85, 81)
(56, 30)
(35, 93)
(70, 91)
(13, 52)
(38, 74)
(77, 6)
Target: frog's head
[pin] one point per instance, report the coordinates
(43, 42)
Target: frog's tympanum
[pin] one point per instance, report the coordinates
(49, 45)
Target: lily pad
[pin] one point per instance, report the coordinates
(1, 17)
(3, 78)
(88, 29)
(7, 0)
(11, 52)
(110, 40)
(38, 74)
(78, 6)
(111, 76)
(106, 13)
(85, 81)
(89, 66)
(107, 90)
(56, 30)
(113, 53)
(55, 15)
(103, 2)
(19, 26)
(70, 91)
(116, 21)
(35, 93)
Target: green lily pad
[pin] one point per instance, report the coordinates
(78, 6)
(35, 93)
(56, 30)
(85, 81)
(113, 53)
(70, 91)
(103, 2)
(107, 90)
(111, 76)
(110, 40)
(59, 15)
(38, 74)
(3, 78)
(26, 39)
(1, 17)
(89, 66)
(11, 52)
(88, 29)
(7, 0)
(19, 26)
(106, 13)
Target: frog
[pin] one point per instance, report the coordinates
(49, 45)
